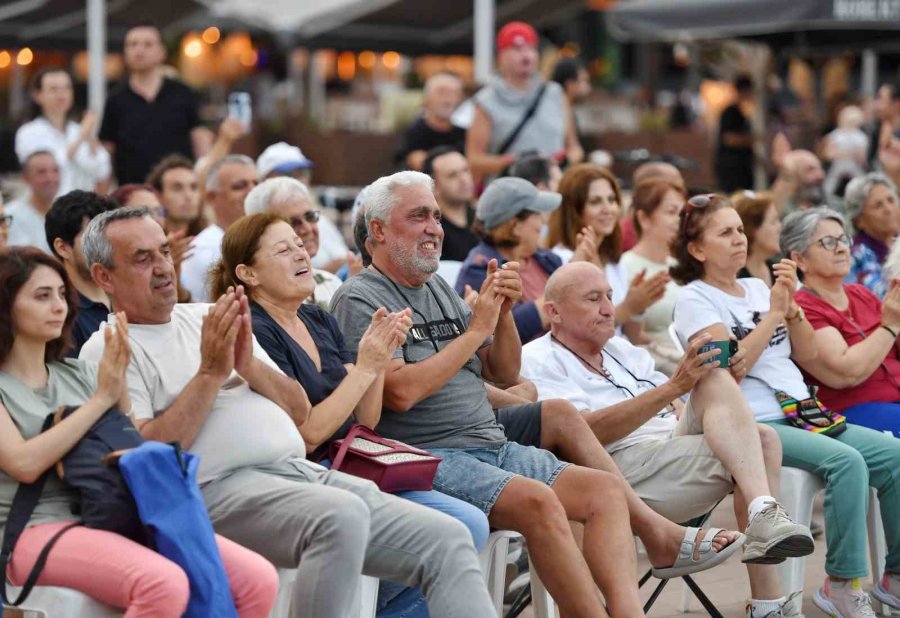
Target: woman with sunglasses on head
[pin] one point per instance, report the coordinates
(265, 254)
(858, 366)
(711, 248)
(37, 305)
(586, 228)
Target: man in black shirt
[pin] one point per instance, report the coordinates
(454, 190)
(443, 94)
(149, 116)
(734, 157)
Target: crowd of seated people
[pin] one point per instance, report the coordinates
(558, 342)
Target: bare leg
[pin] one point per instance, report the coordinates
(533, 509)
(565, 433)
(608, 544)
(731, 431)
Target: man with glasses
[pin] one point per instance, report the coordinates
(681, 459)
(228, 182)
(289, 198)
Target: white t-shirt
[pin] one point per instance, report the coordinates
(194, 270)
(331, 242)
(702, 305)
(243, 429)
(82, 171)
(27, 226)
(558, 374)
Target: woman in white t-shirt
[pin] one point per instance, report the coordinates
(586, 228)
(711, 248)
(655, 206)
(83, 161)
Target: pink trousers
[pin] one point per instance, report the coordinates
(122, 573)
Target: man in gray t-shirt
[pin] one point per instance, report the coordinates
(434, 396)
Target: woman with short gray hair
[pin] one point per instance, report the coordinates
(872, 206)
(857, 368)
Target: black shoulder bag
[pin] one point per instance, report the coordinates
(104, 501)
(529, 113)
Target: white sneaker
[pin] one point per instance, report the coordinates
(772, 536)
(883, 592)
(844, 600)
(789, 609)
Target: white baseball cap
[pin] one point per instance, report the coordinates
(281, 158)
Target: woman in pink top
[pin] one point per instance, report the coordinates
(858, 365)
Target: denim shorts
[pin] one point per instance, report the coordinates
(478, 475)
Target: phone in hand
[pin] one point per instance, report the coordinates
(239, 107)
(727, 349)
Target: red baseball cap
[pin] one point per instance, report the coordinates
(516, 33)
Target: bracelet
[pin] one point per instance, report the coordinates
(889, 329)
(796, 316)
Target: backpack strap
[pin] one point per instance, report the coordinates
(23, 505)
(524, 121)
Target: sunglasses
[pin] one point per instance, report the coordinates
(310, 216)
(698, 202)
(6, 220)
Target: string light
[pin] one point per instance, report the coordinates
(24, 57)
(211, 35)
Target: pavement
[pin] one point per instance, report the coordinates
(727, 585)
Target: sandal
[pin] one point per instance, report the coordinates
(685, 564)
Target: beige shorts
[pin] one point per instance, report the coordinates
(680, 478)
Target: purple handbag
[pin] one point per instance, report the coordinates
(392, 465)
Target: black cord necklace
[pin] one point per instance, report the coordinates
(603, 372)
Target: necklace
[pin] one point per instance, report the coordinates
(603, 372)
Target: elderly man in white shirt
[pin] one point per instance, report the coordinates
(681, 459)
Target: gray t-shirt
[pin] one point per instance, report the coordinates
(545, 131)
(459, 414)
(71, 383)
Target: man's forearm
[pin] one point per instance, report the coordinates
(284, 391)
(617, 421)
(181, 422)
(408, 385)
(504, 357)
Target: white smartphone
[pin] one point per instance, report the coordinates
(239, 107)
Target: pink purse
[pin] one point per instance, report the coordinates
(392, 465)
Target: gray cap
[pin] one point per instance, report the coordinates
(505, 198)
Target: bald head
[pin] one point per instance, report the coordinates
(805, 170)
(657, 171)
(565, 280)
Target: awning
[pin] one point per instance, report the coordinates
(836, 21)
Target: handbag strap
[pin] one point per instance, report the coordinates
(23, 505)
(524, 121)
(345, 445)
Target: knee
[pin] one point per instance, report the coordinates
(540, 506)
(164, 588)
(771, 443)
(347, 521)
(257, 588)
(560, 415)
(607, 492)
(847, 463)
(476, 522)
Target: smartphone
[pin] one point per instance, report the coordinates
(239, 107)
(727, 349)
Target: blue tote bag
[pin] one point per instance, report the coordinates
(163, 480)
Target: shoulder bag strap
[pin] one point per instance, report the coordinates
(525, 118)
(24, 503)
(345, 444)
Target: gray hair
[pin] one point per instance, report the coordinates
(857, 192)
(379, 199)
(212, 174)
(275, 191)
(94, 243)
(799, 226)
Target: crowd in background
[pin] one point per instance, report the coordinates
(503, 304)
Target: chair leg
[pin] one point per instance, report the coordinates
(522, 600)
(877, 545)
(659, 588)
(686, 598)
(701, 596)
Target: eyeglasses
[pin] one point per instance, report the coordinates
(310, 216)
(831, 243)
(6, 220)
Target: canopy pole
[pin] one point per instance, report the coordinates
(483, 33)
(869, 73)
(96, 44)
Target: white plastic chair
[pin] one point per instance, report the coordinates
(367, 596)
(798, 491)
(449, 271)
(54, 602)
(493, 565)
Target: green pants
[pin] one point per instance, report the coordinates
(849, 464)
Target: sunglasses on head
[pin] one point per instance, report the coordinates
(698, 202)
(310, 216)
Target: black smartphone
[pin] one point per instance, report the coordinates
(727, 349)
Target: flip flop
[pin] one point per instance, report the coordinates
(707, 556)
